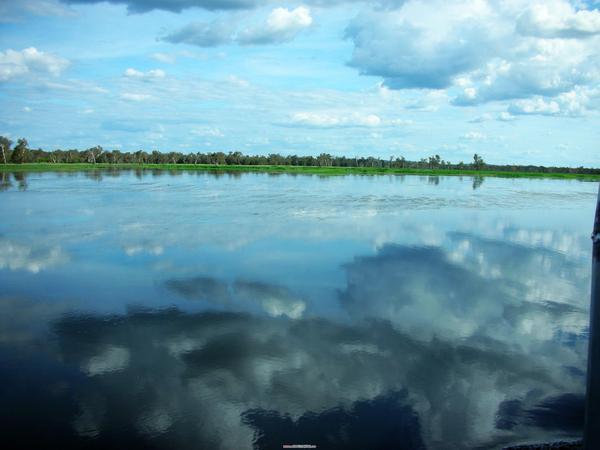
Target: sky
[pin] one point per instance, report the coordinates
(516, 81)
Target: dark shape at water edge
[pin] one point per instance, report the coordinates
(561, 412)
(385, 422)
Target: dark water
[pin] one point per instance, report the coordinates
(198, 311)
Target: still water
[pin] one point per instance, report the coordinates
(206, 311)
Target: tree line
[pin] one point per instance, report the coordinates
(21, 153)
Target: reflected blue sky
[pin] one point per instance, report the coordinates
(222, 310)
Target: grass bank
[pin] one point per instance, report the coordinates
(312, 170)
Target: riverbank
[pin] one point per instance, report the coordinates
(312, 170)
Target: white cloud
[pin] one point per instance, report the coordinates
(47, 8)
(136, 97)
(409, 52)
(15, 64)
(490, 50)
(573, 103)
(535, 106)
(282, 25)
(335, 120)
(505, 116)
(153, 74)
(14, 11)
(203, 34)
(474, 136)
(558, 19)
(542, 67)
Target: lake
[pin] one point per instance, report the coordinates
(201, 310)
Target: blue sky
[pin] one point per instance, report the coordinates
(516, 81)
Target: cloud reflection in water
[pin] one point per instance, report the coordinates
(345, 315)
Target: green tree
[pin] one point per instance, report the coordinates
(400, 162)
(94, 153)
(434, 161)
(478, 162)
(5, 144)
(20, 152)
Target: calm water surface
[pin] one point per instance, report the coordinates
(204, 311)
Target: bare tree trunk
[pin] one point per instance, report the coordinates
(3, 154)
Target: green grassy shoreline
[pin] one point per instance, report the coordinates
(310, 170)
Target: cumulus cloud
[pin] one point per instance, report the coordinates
(203, 34)
(558, 19)
(535, 106)
(153, 74)
(572, 104)
(15, 63)
(546, 68)
(505, 116)
(14, 11)
(337, 120)
(488, 50)
(282, 25)
(410, 53)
